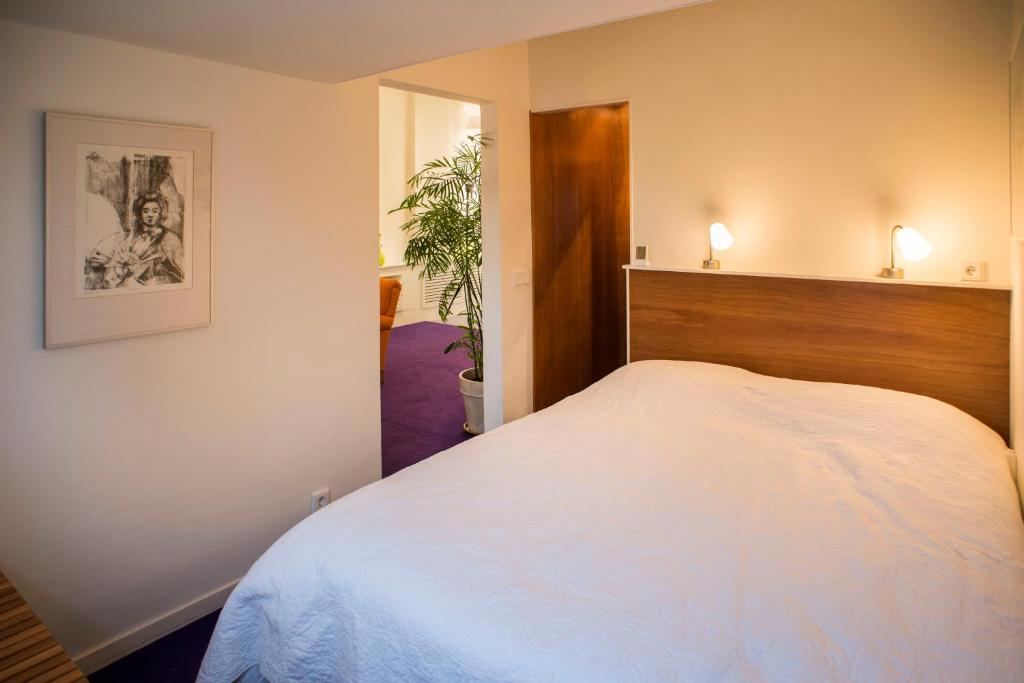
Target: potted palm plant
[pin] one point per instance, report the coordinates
(445, 238)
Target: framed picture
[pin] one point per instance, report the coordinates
(128, 228)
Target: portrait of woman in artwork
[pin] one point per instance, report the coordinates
(149, 254)
(142, 251)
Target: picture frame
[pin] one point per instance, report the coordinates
(129, 228)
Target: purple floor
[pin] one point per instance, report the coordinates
(175, 658)
(421, 414)
(421, 407)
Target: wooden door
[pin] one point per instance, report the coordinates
(580, 191)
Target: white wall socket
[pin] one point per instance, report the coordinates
(319, 500)
(972, 271)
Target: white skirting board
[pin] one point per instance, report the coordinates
(136, 638)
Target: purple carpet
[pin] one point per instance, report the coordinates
(175, 658)
(420, 404)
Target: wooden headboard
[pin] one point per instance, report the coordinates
(948, 342)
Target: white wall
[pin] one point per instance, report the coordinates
(137, 475)
(414, 129)
(397, 131)
(441, 124)
(809, 127)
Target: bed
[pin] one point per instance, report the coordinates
(686, 519)
(675, 521)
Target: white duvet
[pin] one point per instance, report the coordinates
(674, 522)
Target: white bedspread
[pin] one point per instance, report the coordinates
(674, 522)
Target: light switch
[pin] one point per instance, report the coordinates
(520, 277)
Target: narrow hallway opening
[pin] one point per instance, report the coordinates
(429, 265)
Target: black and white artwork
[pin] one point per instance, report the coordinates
(133, 228)
(129, 228)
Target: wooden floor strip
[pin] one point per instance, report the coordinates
(74, 675)
(28, 651)
(15, 627)
(45, 671)
(13, 642)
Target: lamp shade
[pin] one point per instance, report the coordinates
(913, 245)
(721, 238)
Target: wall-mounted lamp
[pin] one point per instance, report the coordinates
(913, 246)
(719, 239)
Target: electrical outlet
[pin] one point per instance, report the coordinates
(972, 271)
(319, 500)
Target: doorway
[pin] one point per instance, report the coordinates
(422, 407)
(580, 186)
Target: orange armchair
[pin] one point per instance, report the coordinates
(389, 291)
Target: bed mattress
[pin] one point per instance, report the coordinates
(674, 522)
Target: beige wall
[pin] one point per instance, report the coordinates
(138, 475)
(141, 477)
(809, 127)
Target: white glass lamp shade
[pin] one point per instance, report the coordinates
(721, 238)
(913, 245)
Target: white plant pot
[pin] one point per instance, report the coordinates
(473, 399)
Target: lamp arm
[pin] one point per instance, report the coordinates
(892, 246)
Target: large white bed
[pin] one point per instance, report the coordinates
(674, 522)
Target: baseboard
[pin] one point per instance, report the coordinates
(128, 642)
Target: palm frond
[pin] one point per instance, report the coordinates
(445, 236)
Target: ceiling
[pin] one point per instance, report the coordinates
(323, 40)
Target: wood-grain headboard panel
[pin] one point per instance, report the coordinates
(950, 343)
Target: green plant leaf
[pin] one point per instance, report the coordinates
(445, 232)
